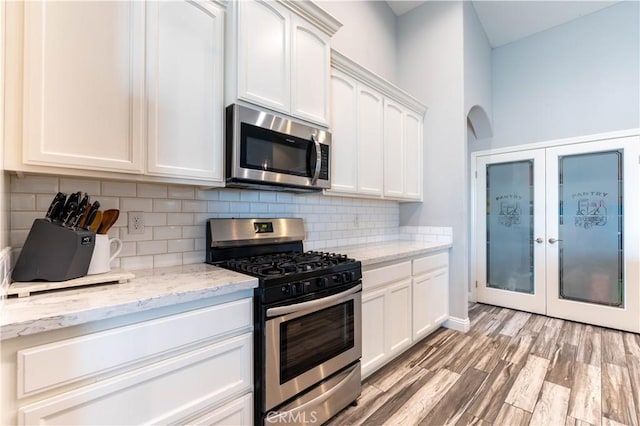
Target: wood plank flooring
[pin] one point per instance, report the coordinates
(511, 368)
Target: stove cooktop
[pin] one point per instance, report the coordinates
(287, 264)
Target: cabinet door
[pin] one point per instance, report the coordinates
(83, 84)
(238, 412)
(399, 317)
(161, 393)
(374, 319)
(430, 302)
(438, 296)
(264, 55)
(184, 55)
(412, 166)
(370, 139)
(393, 150)
(310, 59)
(344, 146)
(422, 317)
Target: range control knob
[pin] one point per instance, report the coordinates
(286, 290)
(346, 277)
(323, 282)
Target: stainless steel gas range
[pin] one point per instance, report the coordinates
(307, 317)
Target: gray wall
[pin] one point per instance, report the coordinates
(430, 67)
(579, 78)
(368, 35)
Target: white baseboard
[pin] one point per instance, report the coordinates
(458, 324)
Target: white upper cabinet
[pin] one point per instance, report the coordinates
(412, 153)
(278, 57)
(117, 89)
(344, 142)
(83, 84)
(264, 59)
(402, 152)
(376, 128)
(310, 59)
(185, 111)
(393, 149)
(370, 140)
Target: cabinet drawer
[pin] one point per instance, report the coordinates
(238, 412)
(161, 393)
(52, 365)
(380, 276)
(429, 263)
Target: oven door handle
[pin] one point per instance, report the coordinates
(312, 304)
(316, 172)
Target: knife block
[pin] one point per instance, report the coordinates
(54, 253)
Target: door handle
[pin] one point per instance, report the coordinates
(553, 240)
(316, 172)
(539, 240)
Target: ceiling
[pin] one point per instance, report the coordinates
(508, 21)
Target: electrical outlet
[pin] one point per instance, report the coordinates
(136, 222)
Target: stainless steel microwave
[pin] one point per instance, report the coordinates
(267, 151)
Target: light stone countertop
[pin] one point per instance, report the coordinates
(150, 289)
(374, 253)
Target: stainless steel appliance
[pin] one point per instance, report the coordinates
(273, 152)
(308, 319)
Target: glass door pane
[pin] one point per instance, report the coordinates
(509, 226)
(591, 254)
(592, 244)
(509, 230)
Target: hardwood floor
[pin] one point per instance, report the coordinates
(511, 368)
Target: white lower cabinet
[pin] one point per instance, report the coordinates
(237, 412)
(386, 314)
(430, 294)
(194, 367)
(402, 303)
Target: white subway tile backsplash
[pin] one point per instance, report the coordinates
(174, 246)
(23, 202)
(196, 231)
(151, 247)
(136, 204)
(239, 207)
(34, 184)
(17, 237)
(155, 219)
(169, 259)
(268, 197)
(118, 189)
(167, 205)
(194, 206)
(191, 257)
(175, 216)
(218, 206)
(136, 262)
(180, 219)
(23, 220)
(91, 187)
(146, 236)
(181, 192)
(167, 232)
(149, 190)
(107, 202)
(249, 196)
(206, 194)
(229, 195)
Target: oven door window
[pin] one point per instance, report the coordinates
(310, 340)
(271, 151)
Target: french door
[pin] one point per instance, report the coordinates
(557, 233)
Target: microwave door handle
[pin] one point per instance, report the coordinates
(312, 304)
(316, 173)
